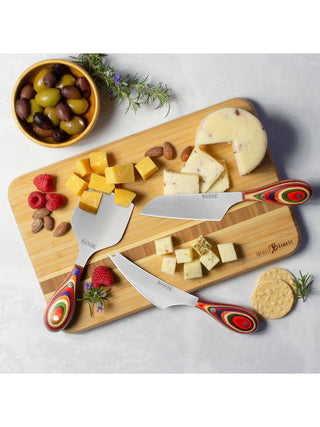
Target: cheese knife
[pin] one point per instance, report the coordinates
(163, 295)
(213, 206)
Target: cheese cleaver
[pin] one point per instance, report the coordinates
(163, 295)
(94, 232)
(213, 206)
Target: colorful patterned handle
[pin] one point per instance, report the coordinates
(234, 317)
(290, 192)
(62, 304)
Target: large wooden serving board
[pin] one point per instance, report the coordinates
(262, 232)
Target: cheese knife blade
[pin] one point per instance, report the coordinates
(163, 295)
(213, 206)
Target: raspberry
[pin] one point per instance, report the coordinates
(44, 182)
(54, 201)
(36, 200)
(101, 276)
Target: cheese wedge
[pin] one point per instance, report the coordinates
(222, 183)
(207, 167)
(240, 128)
(180, 183)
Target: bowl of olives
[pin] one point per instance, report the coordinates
(55, 103)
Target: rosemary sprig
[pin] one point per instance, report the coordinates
(303, 284)
(94, 296)
(124, 87)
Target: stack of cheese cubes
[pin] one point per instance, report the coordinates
(193, 257)
(94, 173)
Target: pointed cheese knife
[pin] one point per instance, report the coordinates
(163, 295)
(213, 206)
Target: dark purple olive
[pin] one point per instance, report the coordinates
(50, 79)
(42, 121)
(63, 111)
(58, 135)
(22, 108)
(71, 92)
(84, 86)
(27, 91)
(60, 69)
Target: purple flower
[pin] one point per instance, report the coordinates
(99, 307)
(116, 78)
(88, 286)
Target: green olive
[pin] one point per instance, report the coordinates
(78, 106)
(38, 80)
(48, 97)
(34, 108)
(51, 113)
(66, 80)
(73, 126)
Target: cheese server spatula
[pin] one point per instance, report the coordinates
(163, 295)
(93, 232)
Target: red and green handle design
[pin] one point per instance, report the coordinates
(234, 317)
(290, 192)
(62, 304)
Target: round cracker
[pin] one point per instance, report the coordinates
(273, 299)
(275, 273)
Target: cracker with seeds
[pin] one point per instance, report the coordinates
(279, 273)
(273, 299)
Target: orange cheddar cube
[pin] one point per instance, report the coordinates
(98, 183)
(83, 167)
(121, 174)
(90, 201)
(76, 184)
(123, 197)
(146, 167)
(98, 162)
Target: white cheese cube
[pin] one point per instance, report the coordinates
(209, 259)
(169, 264)
(192, 270)
(201, 245)
(184, 255)
(227, 252)
(164, 245)
(208, 168)
(222, 183)
(178, 183)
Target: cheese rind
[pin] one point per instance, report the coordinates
(146, 167)
(76, 184)
(120, 174)
(222, 183)
(98, 161)
(239, 127)
(90, 201)
(98, 183)
(180, 183)
(209, 259)
(123, 197)
(206, 166)
(192, 270)
(227, 252)
(164, 245)
(184, 255)
(168, 265)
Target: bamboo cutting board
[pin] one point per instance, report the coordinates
(262, 232)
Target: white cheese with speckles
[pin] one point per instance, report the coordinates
(239, 127)
(164, 245)
(179, 183)
(192, 270)
(209, 259)
(207, 167)
(169, 264)
(222, 183)
(227, 252)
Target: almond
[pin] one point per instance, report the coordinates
(62, 229)
(48, 223)
(40, 213)
(168, 150)
(154, 152)
(37, 225)
(186, 153)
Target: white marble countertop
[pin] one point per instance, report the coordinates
(284, 90)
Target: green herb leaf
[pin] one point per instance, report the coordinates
(95, 296)
(303, 284)
(125, 87)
